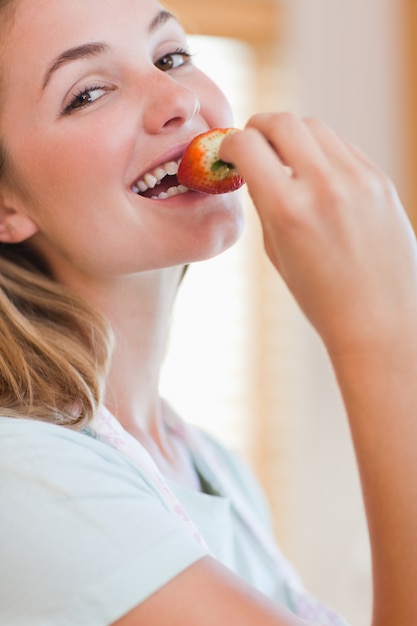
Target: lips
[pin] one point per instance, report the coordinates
(160, 183)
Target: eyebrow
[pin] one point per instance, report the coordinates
(160, 19)
(95, 49)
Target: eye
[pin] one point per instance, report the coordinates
(173, 60)
(84, 98)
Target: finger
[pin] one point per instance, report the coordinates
(258, 163)
(333, 146)
(292, 140)
(337, 149)
(362, 158)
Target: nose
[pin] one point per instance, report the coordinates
(169, 104)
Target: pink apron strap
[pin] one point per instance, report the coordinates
(106, 428)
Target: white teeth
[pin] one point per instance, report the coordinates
(152, 179)
(172, 168)
(160, 173)
(172, 191)
(142, 186)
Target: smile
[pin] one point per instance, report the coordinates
(161, 183)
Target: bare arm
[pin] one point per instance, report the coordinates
(207, 594)
(337, 233)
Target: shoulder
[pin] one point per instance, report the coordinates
(35, 442)
(39, 457)
(84, 533)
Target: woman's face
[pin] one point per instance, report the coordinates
(98, 93)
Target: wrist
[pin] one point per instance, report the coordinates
(365, 333)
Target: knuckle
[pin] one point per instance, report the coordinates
(330, 191)
(313, 122)
(287, 119)
(287, 116)
(388, 188)
(375, 183)
(358, 186)
(258, 120)
(278, 120)
(327, 183)
(248, 133)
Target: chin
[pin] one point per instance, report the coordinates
(221, 230)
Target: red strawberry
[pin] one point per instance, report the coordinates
(201, 169)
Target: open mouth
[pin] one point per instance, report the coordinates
(160, 183)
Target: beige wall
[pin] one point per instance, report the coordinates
(348, 70)
(348, 56)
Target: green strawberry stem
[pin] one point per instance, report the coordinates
(219, 164)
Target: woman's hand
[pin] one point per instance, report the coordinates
(336, 231)
(333, 226)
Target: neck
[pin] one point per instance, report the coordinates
(139, 308)
(139, 311)
(140, 316)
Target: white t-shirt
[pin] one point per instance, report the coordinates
(85, 537)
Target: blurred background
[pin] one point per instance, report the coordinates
(242, 361)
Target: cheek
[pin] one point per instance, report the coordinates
(214, 105)
(87, 149)
(65, 166)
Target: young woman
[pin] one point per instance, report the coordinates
(112, 510)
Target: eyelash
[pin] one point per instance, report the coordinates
(77, 97)
(181, 52)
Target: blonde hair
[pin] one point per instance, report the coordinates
(54, 348)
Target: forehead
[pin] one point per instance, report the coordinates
(47, 26)
(42, 29)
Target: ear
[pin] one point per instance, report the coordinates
(15, 225)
